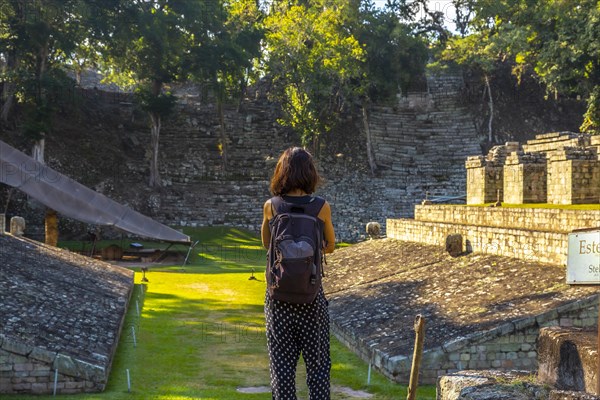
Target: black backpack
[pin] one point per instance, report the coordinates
(294, 268)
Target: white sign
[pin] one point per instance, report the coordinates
(583, 260)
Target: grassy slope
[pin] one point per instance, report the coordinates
(201, 334)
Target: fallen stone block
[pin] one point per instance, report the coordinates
(490, 385)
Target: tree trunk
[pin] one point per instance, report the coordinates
(155, 123)
(370, 156)
(222, 132)
(9, 88)
(9, 96)
(491, 107)
(39, 148)
(154, 137)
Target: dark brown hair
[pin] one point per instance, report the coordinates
(295, 170)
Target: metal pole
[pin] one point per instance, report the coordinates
(55, 382)
(133, 335)
(369, 375)
(414, 371)
(128, 381)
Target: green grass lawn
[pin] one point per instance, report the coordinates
(200, 333)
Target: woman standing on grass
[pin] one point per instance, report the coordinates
(298, 328)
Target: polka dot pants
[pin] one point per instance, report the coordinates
(293, 329)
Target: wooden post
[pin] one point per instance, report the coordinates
(51, 227)
(416, 363)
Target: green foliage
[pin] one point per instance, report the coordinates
(314, 62)
(226, 62)
(35, 40)
(161, 104)
(394, 56)
(591, 118)
(559, 41)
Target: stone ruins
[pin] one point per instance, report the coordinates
(62, 315)
(554, 168)
(503, 286)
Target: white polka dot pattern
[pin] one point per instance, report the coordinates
(294, 329)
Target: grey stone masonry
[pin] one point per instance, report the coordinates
(481, 311)
(525, 178)
(556, 141)
(556, 168)
(525, 233)
(574, 176)
(484, 179)
(531, 219)
(59, 311)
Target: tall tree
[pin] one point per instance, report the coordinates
(225, 63)
(557, 41)
(35, 39)
(394, 58)
(313, 60)
(150, 47)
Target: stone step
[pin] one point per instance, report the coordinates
(557, 139)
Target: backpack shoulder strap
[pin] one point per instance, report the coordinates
(314, 207)
(276, 203)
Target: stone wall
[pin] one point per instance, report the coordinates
(568, 358)
(547, 247)
(25, 371)
(558, 168)
(68, 321)
(555, 141)
(200, 189)
(574, 176)
(525, 233)
(533, 219)
(484, 182)
(515, 346)
(524, 178)
(512, 345)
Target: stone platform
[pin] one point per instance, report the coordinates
(59, 311)
(534, 234)
(481, 311)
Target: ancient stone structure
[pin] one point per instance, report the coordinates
(60, 313)
(568, 370)
(525, 233)
(557, 168)
(2, 224)
(473, 321)
(490, 385)
(485, 178)
(574, 176)
(568, 359)
(374, 296)
(201, 189)
(525, 178)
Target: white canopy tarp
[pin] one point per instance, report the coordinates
(74, 200)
